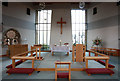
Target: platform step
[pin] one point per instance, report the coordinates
(62, 75)
(99, 71)
(20, 71)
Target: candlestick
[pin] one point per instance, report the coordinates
(60, 42)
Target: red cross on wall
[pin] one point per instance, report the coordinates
(61, 23)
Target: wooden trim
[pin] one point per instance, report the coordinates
(96, 58)
(23, 57)
(44, 69)
(53, 69)
(4, 55)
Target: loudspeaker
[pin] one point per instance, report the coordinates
(94, 10)
(28, 11)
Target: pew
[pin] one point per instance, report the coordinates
(14, 70)
(98, 56)
(107, 51)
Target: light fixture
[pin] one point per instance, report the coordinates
(41, 5)
(81, 5)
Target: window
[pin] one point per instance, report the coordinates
(78, 26)
(43, 27)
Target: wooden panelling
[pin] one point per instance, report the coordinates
(17, 49)
(79, 53)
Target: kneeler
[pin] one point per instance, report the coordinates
(63, 74)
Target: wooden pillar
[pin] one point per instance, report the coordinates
(55, 72)
(89, 53)
(31, 51)
(67, 53)
(39, 52)
(13, 63)
(32, 63)
(106, 63)
(73, 53)
(52, 53)
(36, 52)
(69, 72)
(86, 63)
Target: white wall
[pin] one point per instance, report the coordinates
(108, 35)
(14, 16)
(107, 29)
(56, 28)
(61, 10)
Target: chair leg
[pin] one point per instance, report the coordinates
(52, 54)
(67, 53)
(89, 74)
(30, 74)
(110, 74)
(8, 73)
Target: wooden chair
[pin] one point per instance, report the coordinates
(38, 48)
(62, 75)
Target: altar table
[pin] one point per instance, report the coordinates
(60, 49)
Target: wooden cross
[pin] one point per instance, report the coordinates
(61, 22)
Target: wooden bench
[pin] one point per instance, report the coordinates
(17, 63)
(107, 51)
(14, 70)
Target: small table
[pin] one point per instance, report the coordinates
(60, 49)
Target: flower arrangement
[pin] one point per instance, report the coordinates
(97, 41)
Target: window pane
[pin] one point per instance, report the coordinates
(78, 26)
(43, 27)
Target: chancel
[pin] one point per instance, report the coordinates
(60, 40)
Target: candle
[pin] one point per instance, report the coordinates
(60, 40)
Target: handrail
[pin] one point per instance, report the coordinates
(23, 58)
(25, 53)
(97, 53)
(96, 58)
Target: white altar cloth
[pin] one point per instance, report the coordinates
(60, 49)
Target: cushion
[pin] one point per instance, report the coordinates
(99, 71)
(20, 70)
(103, 63)
(62, 75)
(16, 63)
